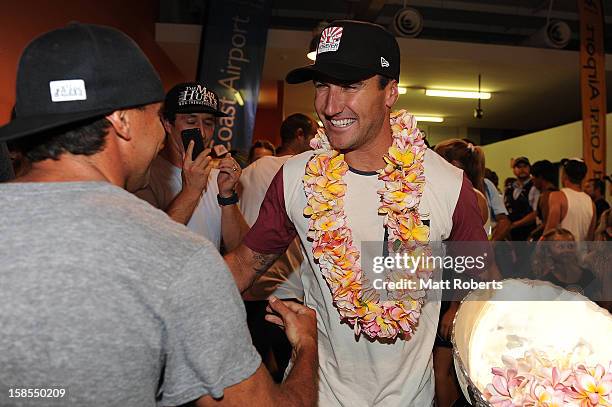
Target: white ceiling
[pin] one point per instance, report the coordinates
(533, 88)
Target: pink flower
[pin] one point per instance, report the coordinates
(592, 387)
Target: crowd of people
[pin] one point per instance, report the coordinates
(138, 269)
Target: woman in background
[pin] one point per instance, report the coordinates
(470, 159)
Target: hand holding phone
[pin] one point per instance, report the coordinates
(198, 143)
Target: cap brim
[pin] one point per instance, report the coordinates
(26, 126)
(337, 71)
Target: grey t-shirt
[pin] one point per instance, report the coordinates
(106, 297)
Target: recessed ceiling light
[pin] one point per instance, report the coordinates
(457, 94)
(435, 119)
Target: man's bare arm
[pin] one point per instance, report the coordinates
(233, 226)
(501, 228)
(554, 211)
(592, 226)
(247, 265)
(524, 221)
(300, 387)
(182, 206)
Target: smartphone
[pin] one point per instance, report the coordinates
(198, 143)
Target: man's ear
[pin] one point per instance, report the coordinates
(391, 93)
(299, 133)
(120, 122)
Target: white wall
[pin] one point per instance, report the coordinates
(551, 144)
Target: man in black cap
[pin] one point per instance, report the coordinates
(521, 200)
(198, 192)
(356, 76)
(105, 301)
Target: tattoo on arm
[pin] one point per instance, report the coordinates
(262, 262)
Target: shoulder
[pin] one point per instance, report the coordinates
(437, 167)
(149, 231)
(298, 162)
(443, 181)
(556, 196)
(293, 172)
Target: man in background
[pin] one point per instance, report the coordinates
(596, 188)
(199, 192)
(521, 199)
(570, 208)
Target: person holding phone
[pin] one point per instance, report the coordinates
(192, 180)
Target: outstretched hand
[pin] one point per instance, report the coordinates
(298, 321)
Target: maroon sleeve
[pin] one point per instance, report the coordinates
(467, 227)
(273, 231)
(467, 221)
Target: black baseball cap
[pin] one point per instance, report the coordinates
(192, 97)
(521, 160)
(79, 72)
(351, 51)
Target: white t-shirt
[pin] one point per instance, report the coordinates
(356, 371)
(166, 183)
(282, 278)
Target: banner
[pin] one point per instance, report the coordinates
(593, 86)
(231, 59)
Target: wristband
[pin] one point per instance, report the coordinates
(232, 199)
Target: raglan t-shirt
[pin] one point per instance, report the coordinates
(107, 298)
(356, 371)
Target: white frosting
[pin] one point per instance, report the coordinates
(560, 324)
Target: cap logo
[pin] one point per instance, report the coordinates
(197, 95)
(67, 90)
(384, 63)
(330, 39)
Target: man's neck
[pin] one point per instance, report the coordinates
(369, 157)
(575, 187)
(287, 149)
(522, 182)
(75, 168)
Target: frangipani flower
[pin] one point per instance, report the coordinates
(550, 383)
(592, 387)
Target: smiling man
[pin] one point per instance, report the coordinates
(356, 76)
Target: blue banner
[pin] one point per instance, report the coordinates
(231, 60)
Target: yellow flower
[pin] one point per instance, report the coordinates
(405, 158)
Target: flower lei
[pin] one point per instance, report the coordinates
(332, 238)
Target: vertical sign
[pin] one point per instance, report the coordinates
(593, 86)
(232, 53)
